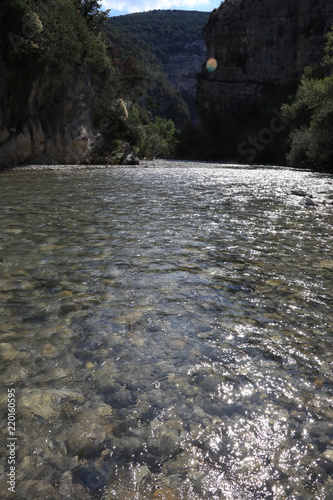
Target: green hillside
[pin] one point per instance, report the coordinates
(55, 59)
(161, 32)
(146, 42)
(141, 79)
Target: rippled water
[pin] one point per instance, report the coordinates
(168, 332)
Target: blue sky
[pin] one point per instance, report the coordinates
(119, 7)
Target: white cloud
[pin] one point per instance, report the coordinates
(130, 6)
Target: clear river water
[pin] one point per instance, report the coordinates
(168, 331)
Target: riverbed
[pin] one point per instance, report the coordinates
(168, 332)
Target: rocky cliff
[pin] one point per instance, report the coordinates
(181, 68)
(34, 129)
(259, 45)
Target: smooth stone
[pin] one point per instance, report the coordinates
(211, 383)
(9, 353)
(85, 442)
(300, 192)
(298, 415)
(46, 403)
(326, 264)
(274, 282)
(65, 294)
(48, 350)
(69, 490)
(130, 445)
(163, 441)
(84, 445)
(13, 231)
(318, 429)
(91, 429)
(165, 493)
(328, 453)
(106, 375)
(15, 374)
(103, 411)
(309, 202)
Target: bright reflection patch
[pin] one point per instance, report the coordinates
(211, 64)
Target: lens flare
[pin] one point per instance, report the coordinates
(211, 64)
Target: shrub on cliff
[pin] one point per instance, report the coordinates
(52, 39)
(311, 141)
(55, 45)
(128, 126)
(161, 138)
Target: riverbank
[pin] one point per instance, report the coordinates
(68, 167)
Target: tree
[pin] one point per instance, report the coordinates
(91, 10)
(311, 141)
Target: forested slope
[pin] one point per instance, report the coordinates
(69, 94)
(165, 44)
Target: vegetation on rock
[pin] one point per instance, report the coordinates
(159, 32)
(302, 114)
(51, 40)
(153, 39)
(311, 140)
(51, 45)
(233, 135)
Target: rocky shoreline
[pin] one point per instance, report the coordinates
(73, 167)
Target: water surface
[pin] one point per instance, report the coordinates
(168, 332)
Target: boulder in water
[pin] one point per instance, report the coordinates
(309, 202)
(129, 159)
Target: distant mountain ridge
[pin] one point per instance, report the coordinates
(171, 40)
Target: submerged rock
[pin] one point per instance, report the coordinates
(328, 454)
(9, 353)
(326, 264)
(37, 489)
(164, 439)
(299, 192)
(46, 403)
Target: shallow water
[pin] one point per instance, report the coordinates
(168, 332)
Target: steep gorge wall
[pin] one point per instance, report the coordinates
(34, 129)
(259, 45)
(181, 68)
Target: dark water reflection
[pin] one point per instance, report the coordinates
(168, 331)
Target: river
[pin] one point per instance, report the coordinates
(168, 331)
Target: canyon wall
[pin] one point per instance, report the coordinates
(34, 129)
(259, 45)
(181, 68)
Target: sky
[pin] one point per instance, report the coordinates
(120, 7)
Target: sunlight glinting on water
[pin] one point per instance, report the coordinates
(167, 330)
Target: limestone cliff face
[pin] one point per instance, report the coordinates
(258, 45)
(34, 130)
(181, 68)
